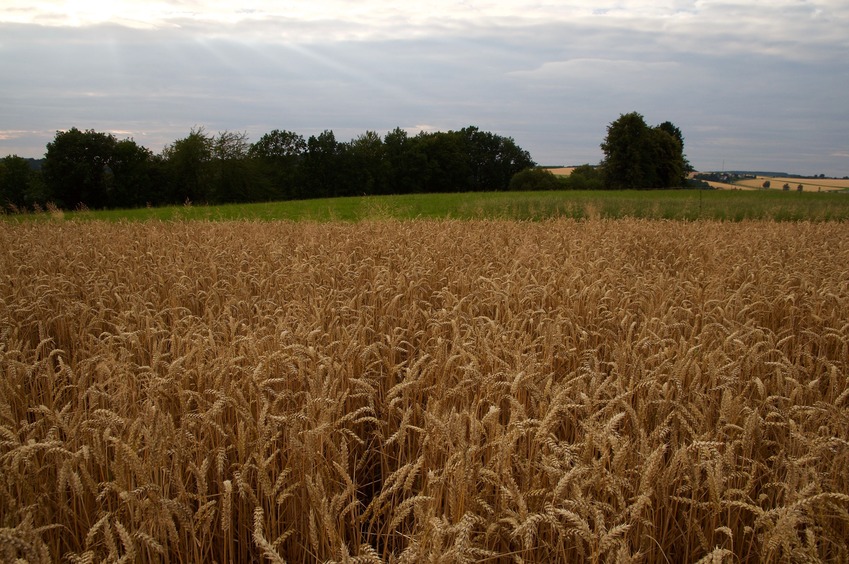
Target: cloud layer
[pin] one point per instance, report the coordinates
(751, 85)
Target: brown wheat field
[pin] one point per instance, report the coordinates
(808, 184)
(424, 391)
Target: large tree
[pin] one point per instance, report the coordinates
(637, 156)
(235, 179)
(407, 164)
(369, 166)
(16, 181)
(322, 166)
(136, 176)
(189, 165)
(77, 167)
(493, 159)
(279, 155)
(447, 162)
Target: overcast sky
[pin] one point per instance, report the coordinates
(755, 85)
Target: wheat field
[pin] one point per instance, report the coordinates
(424, 391)
(808, 184)
(561, 170)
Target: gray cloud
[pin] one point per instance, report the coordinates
(753, 85)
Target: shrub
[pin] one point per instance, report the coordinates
(585, 177)
(534, 179)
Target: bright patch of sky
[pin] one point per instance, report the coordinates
(752, 85)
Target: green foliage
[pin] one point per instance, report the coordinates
(189, 166)
(637, 156)
(670, 128)
(94, 170)
(323, 174)
(279, 144)
(77, 167)
(16, 182)
(278, 156)
(493, 159)
(406, 163)
(585, 177)
(235, 177)
(697, 184)
(137, 176)
(448, 168)
(366, 158)
(534, 179)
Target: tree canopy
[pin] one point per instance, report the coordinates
(637, 156)
(77, 167)
(96, 170)
(19, 183)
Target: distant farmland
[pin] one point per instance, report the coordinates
(562, 170)
(777, 183)
(808, 184)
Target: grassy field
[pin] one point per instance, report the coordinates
(658, 204)
(422, 391)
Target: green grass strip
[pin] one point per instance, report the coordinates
(652, 204)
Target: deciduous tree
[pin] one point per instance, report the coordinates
(136, 176)
(235, 179)
(322, 166)
(16, 181)
(369, 167)
(637, 156)
(278, 156)
(492, 159)
(406, 162)
(77, 167)
(189, 164)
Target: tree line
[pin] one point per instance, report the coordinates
(96, 170)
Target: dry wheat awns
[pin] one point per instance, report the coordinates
(603, 391)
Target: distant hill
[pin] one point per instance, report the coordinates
(759, 173)
(768, 174)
